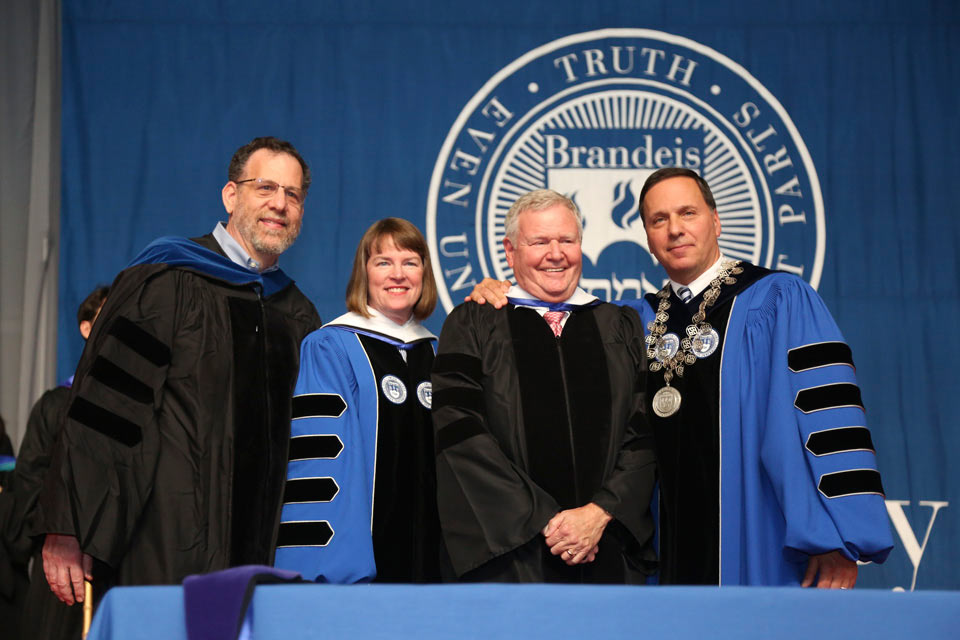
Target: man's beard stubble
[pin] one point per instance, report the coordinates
(267, 241)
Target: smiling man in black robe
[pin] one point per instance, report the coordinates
(173, 454)
(544, 459)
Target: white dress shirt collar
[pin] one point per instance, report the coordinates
(702, 281)
(236, 252)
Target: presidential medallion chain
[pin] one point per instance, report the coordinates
(670, 353)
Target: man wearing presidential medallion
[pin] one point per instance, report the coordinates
(767, 470)
(544, 455)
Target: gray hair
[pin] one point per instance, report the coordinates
(538, 200)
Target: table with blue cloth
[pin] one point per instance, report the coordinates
(330, 612)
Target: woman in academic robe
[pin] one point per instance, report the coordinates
(360, 499)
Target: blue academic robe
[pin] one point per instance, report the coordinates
(795, 468)
(360, 500)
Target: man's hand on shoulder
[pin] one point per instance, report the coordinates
(65, 567)
(835, 571)
(490, 290)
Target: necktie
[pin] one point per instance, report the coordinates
(685, 294)
(553, 319)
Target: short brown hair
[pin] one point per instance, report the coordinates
(241, 155)
(666, 173)
(404, 236)
(91, 304)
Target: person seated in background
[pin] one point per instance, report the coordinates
(545, 465)
(13, 571)
(7, 459)
(360, 498)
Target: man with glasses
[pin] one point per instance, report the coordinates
(173, 453)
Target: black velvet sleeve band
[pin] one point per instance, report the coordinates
(124, 330)
(828, 396)
(840, 440)
(105, 422)
(313, 447)
(848, 483)
(304, 534)
(821, 354)
(318, 405)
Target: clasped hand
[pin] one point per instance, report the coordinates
(573, 534)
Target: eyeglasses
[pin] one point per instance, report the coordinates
(266, 188)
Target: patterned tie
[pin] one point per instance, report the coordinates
(553, 319)
(685, 294)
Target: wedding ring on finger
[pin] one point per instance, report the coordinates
(571, 552)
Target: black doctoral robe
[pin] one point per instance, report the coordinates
(41, 615)
(173, 455)
(688, 448)
(528, 425)
(406, 533)
(13, 557)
